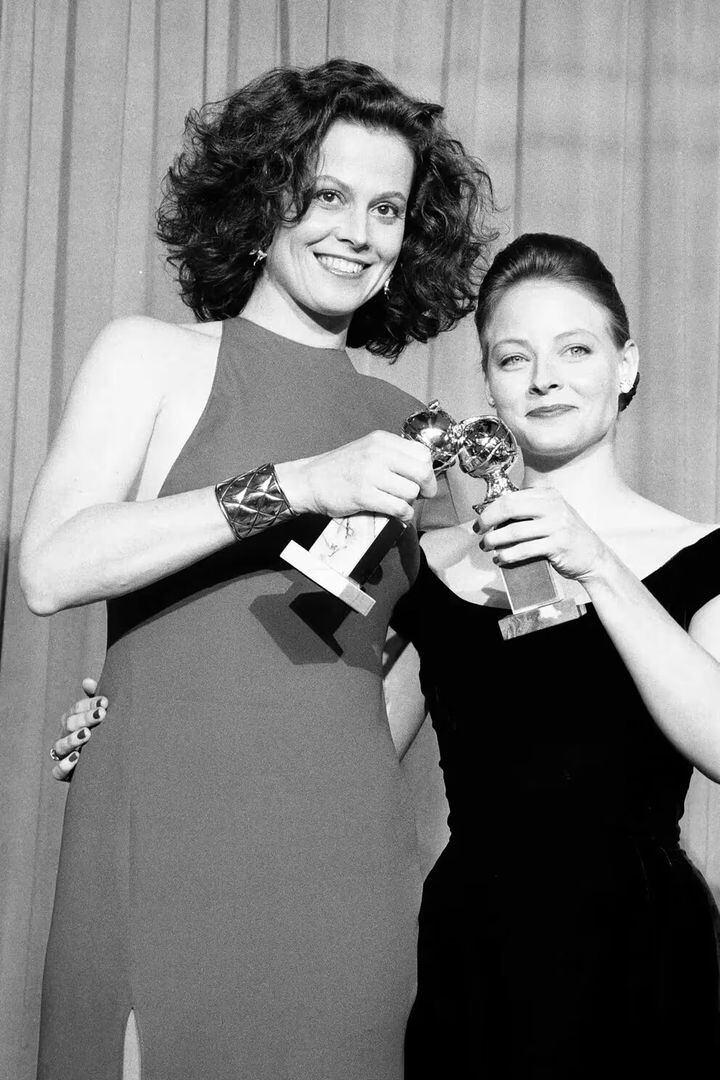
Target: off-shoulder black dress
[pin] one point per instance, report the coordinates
(563, 931)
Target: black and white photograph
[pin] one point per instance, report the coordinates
(360, 578)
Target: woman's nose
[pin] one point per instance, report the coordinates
(545, 375)
(353, 227)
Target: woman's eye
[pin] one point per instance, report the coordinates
(578, 350)
(514, 360)
(327, 197)
(387, 210)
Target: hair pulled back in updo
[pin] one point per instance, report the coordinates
(546, 256)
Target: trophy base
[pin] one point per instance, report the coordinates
(331, 580)
(345, 555)
(538, 618)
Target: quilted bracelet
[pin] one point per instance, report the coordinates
(253, 502)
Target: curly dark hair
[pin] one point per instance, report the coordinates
(249, 157)
(534, 256)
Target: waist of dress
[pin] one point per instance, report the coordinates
(557, 823)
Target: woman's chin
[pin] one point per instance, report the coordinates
(548, 453)
(549, 445)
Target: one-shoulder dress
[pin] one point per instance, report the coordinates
(563, 931)
(238, 861)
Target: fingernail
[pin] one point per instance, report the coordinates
(101, 703)
(83, 733)
(73, 757)
(98, 714)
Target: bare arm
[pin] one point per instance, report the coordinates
(677, 673)
(403, 697)
(84, 541)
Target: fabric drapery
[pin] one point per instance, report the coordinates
(600, 120)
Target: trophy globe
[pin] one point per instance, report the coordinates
(533, 587)
(349, 549)
(437, 430)
(488, 450)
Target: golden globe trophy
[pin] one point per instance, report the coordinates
(488, 450)
(349, 549)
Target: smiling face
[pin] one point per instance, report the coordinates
(322, 268)
(553, 368)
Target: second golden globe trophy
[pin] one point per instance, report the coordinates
(534, 588)
(348, 549)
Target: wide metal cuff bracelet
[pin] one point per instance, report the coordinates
(253, 502)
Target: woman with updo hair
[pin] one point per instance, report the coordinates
(238, 872)
(563, 931)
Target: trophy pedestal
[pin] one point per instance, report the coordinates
(345, 554)
(525, 622)
(536, 598)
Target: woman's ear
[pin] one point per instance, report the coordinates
(628, 363)
(488, 396)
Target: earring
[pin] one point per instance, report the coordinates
(490, 401)
(386, 287)
(259, 255)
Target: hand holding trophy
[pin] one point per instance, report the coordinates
(488, 450)
(350, 548)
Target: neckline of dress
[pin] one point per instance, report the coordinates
(241, 324)
(587, 603)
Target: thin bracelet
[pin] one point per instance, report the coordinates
(253, 502)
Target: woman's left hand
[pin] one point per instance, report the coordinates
(537, 523)
(75, 725)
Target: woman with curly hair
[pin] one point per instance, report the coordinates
(246, 886)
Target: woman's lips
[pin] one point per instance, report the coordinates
(336, 264)
(550, 410)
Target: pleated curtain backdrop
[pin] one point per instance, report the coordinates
(595, 118)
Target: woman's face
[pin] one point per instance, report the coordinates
(343, 249)
(553, 368)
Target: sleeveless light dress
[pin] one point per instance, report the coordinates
(239, 853)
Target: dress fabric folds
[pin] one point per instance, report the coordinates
(563, 931)
(239, 854)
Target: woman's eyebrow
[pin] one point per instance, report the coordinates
(328, 178)
(511, 341)
(577, 330)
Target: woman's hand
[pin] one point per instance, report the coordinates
(86, 539)
(76, 726)
(537, 523)
(380, 472)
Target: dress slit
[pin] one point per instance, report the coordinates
(132, 1058)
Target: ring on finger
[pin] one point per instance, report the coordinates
(54, 754)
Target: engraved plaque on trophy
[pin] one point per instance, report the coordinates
(349, 549)
(534, 588)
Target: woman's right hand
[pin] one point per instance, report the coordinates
(76, 725)
(381, 472)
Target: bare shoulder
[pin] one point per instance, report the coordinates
(147, 361)
(133, 333)
(152, 343)
(204, 329)
(675, 529)
(184, 360)
(650, 534)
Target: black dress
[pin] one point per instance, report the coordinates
(563, 931)
(239, 860)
